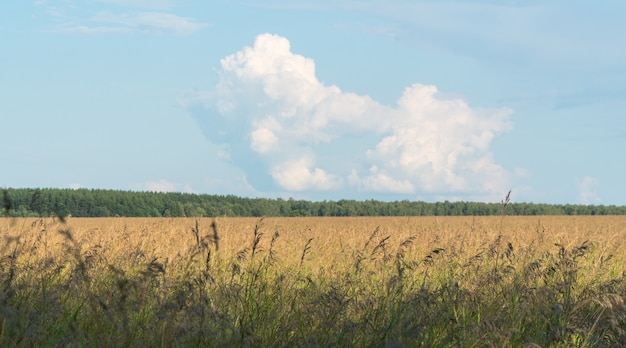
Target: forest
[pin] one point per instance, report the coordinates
(42, 202)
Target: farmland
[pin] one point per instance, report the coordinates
(549, 281)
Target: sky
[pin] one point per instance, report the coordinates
(459, 100)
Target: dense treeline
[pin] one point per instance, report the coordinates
(104, 203)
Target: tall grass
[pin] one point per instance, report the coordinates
(372, 282)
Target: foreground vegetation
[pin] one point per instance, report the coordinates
(313, 282)
(110, 203)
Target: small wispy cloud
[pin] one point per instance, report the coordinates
(193, 96)
(158, 22)
(153, 4)
(69, 18)
(84, 29)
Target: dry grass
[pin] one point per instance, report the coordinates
(393, 281)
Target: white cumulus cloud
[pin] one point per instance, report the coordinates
(587, 190)
(312, 136)
(75, 186)
(263, 139)
(380, 182)
(165, 186)
(299, 176)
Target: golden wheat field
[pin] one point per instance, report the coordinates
(333, 238)
(371, 281)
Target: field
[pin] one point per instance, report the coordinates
(314, 282)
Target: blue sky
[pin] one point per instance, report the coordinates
(320, 100)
